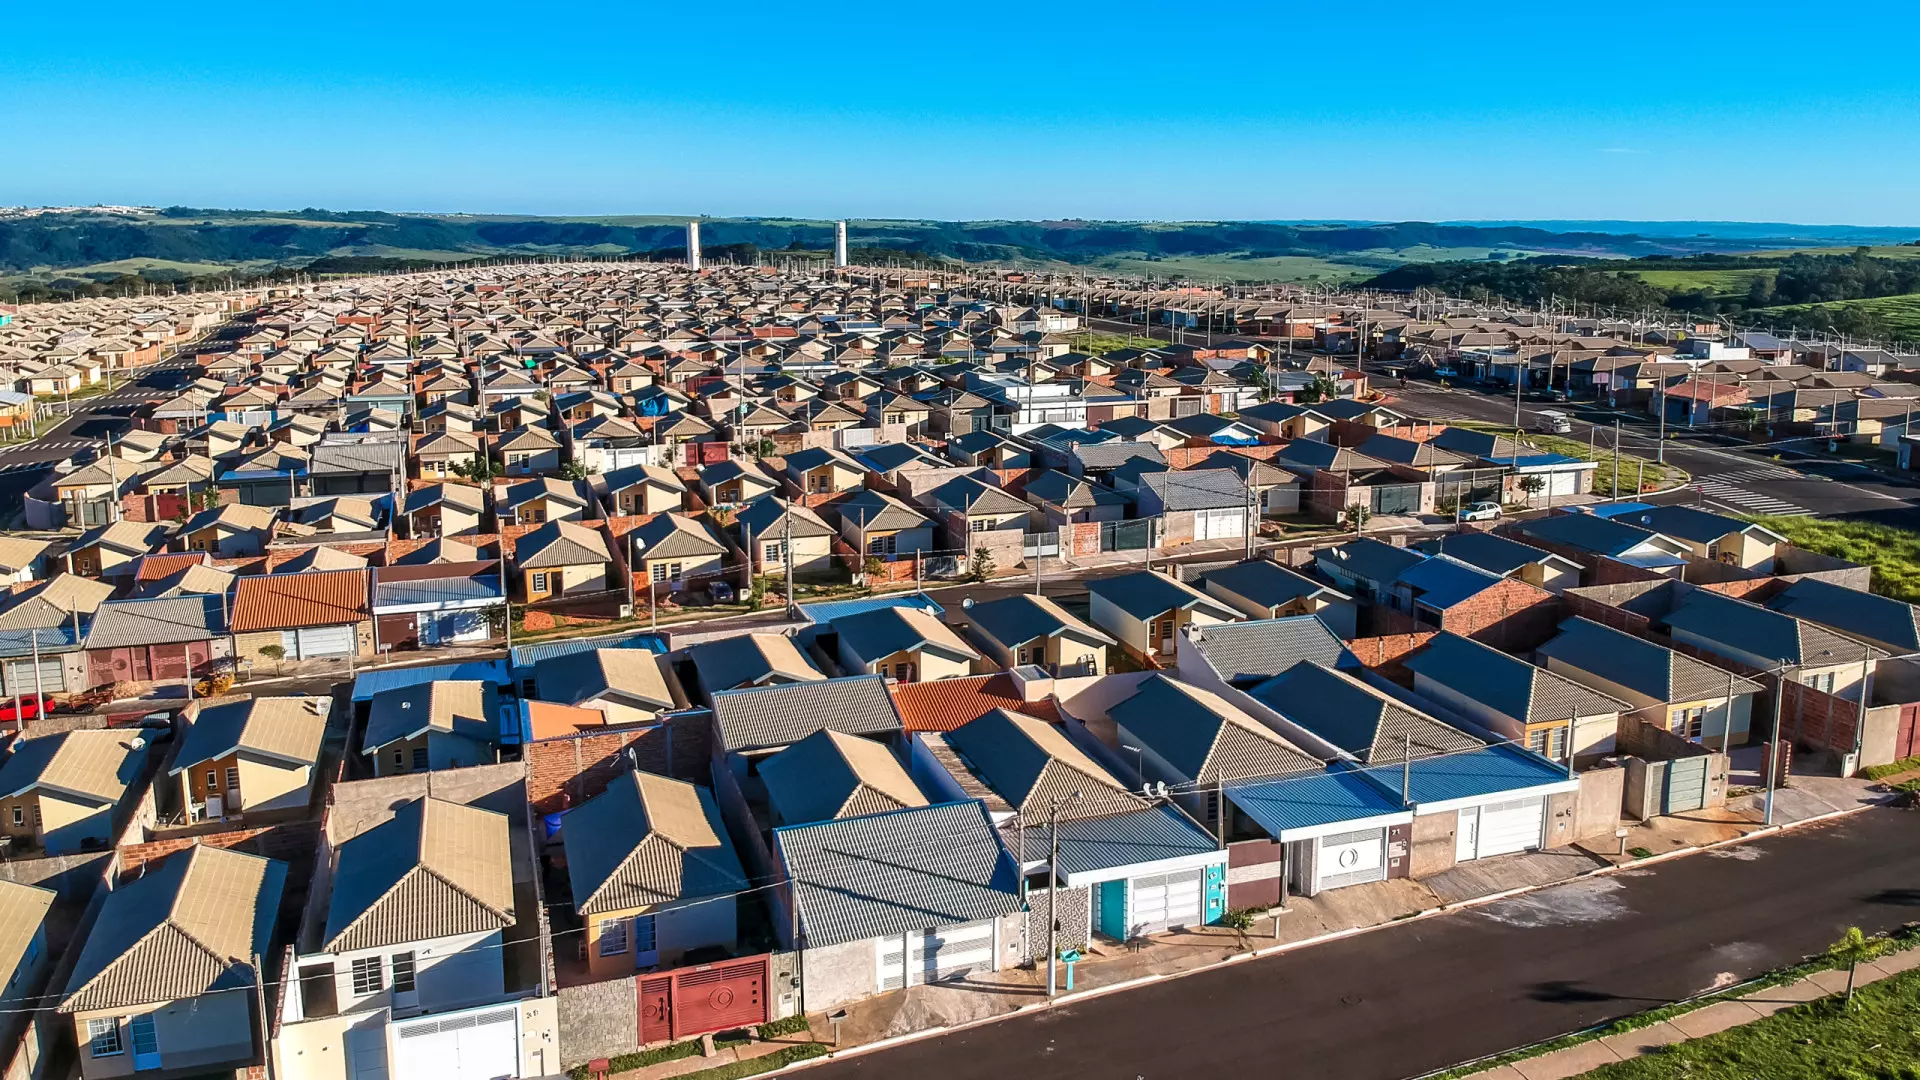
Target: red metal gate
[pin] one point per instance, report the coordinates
(695, 1000)
(1906, 736)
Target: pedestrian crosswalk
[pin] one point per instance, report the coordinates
(1720, 490)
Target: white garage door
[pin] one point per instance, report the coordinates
(318, 641)
(932, 955)
(20, 677)
(1165, 900)
(1351, 858)
(1219, 524)
(480, 1045)
(1501, 828)
(1563, 483)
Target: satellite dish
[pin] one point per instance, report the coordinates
(1162, 788)
(138, 744)
(967, 603)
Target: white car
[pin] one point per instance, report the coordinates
(1481, 511)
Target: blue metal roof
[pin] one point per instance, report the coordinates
(838, 609)
(1474, 774)
(1607, 510)
(526, 656)
(1297, 803)
(52, 639)
(1137, 839)
(370, 683)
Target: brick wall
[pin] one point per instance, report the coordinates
(566, 771)
(1512, 616)
(293, 843)
(1385, 653)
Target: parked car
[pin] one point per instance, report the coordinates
(1547, 395)
(1481, 511)
(721, 592)
(25, 707)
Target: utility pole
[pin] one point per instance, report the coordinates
(1773, 755)
(1251, 514)
(786, 555)
(1616, 459)
(1053, 888)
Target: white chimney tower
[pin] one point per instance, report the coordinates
(693, 245)
(839, 243)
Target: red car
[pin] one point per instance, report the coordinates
(26, 706)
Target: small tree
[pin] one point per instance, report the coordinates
(274, 653)
(1852, 949)
(575, 470)
(1322, 389)
(1358, 515)
(1532, 485)
(872, 567)
(765, 448)
(479, 470)
(982, 567)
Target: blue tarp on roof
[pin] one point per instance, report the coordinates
(526, 656)
(827, 612)
(1608, 510)
(1295, 804)
(1474, 774)
(369, 683)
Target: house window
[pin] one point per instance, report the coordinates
(775, 552)
(19, 816)
(213, 780)
(1688, 723)
(540, 581)
(1822, 682)
(978, 525)
(903, 672)
(613, 937)
(517, 461)
(233, 779)
(366, 975)
(1548, 742)
(883, 545)
(419, 757)
(820, 482)
(403, 973)
(399, 758)
(103, 1037)
(658, 572)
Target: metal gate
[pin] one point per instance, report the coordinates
(1133, 535)
(1040, 543)
(1396, 499)
(1352, 858)
(695, 1000)
(1686, 787)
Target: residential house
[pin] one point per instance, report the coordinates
(907, 644)
(532, 502)
(1027, 629)
(1507, 557)
(1146, 610)
(1548, 713)
(447, 453)
(1196, 504)
(830, 775)
(234, 531)
(1763, 639)
(645, 489)
(169, 979)
(529, 451)
(882, 526)
(624, 685)
(1582, 535)
(24, 956)
(750, 660)
(1708, 535)
(675, 553)
(883, 901)
(763, 526)
(443, 724)
(1667, 688)
(315, 615)
(653, 874)
(444, 510)
(562, 558)
(730, 483)
(250, 756)
(1881, 621)
(1071, 500)
(110, 551)
(824, 470)
(59, 791)
(1263, 589)
(171, 640)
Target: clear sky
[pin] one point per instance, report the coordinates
(1756, 110)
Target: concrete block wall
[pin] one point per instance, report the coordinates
(598, 1020)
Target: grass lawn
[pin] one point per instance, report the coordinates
(1649, 473)
(1900, 313)
(1099, 344)
(1714, 282)
(1877, 1039)
(1893, 553)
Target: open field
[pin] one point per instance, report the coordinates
(1877, 1039)
(1893, 553)
(1714, 282)
(1899, 251)
(1900, 313)
(385, 251)
(1229, 268)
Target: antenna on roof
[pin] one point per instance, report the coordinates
(967, 603)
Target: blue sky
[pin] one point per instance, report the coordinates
(1217, 110)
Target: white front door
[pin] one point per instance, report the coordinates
(1466, 846)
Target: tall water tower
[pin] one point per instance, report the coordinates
(693, 245)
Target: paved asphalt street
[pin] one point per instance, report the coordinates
(1410, 999)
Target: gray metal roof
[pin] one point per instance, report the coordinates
(125, 623)
(1356, 718)
(894, 873)
(1146, 593)
(1507, 684)
(1313, 800)
(761, 717)
(1268, 584)
(1015, 620)
(1203, 737)
(1638, 664)
(1494, 554)
(1761, 632)
(1370, 560)
(1249, 652)
(1198, 489)
(1116, 452)
(1882, 620)
(1138, 838)
(444, 590)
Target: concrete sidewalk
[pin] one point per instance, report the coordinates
(1712, 1019)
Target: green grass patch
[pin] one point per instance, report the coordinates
(774, 1029)
(1878, 1038)
(627, 1062)
(1648, 473)
(1098, 344)
(1893, 553)
(1880, 772)
(1900, 314)
(1734, 283)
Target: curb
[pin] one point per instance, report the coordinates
(1336, 935)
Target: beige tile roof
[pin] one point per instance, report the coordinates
(187, 928)
(461, 707)
(648, 840)
(94, 763)
(633, 673)
(435, 869)
(22, 909)
(561, 543)
(830, 775)
(288, 728)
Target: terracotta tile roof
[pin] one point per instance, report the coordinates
(548, 720)
(287, 601)
(948, 703)
(155, 567)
